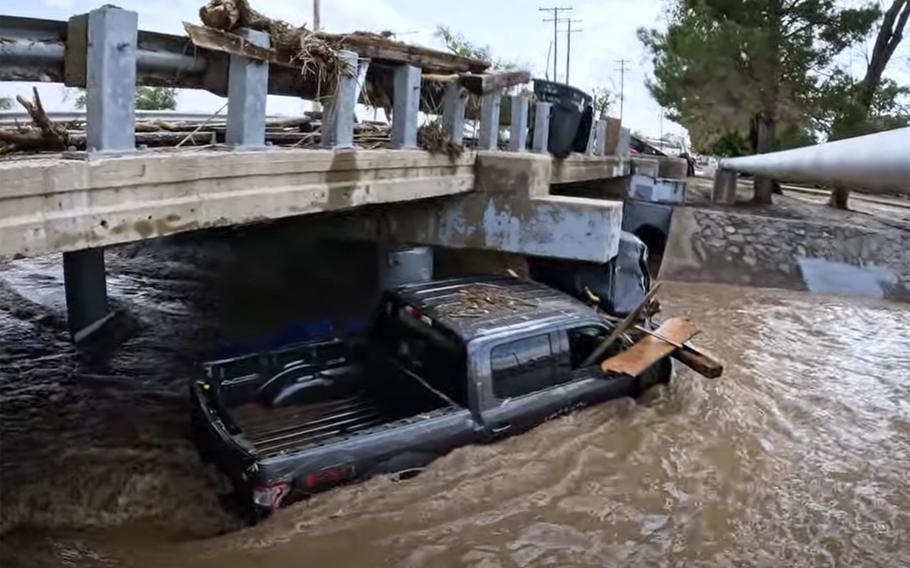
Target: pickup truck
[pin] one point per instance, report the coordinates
(446, 363)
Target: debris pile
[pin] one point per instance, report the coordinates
(481, 300)
(298, 45)
(433, 138)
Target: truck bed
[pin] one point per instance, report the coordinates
(272, 431)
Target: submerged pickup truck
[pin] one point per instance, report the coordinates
(446, 363)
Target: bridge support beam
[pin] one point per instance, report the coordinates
(338, 116)
(518, 127)
(624, 143)
(510, 210)
(600, 139)
(541, 128)
(248, 87)
(453, 107)
(489, 121)
(405, 107)
(86, 289)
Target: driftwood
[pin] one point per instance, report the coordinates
(44, 135)
(293, 46)
(481, 84)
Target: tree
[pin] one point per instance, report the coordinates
(458, 44)
(147, 98)
(872, 104)
(603, 100)
(6, 103)
(748, 67)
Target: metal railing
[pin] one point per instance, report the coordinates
(105, 52)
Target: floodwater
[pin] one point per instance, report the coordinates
(798, 456)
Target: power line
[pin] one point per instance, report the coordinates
(622, 84)
(569, 32)
(556, 20)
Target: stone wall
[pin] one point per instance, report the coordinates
(746, 249)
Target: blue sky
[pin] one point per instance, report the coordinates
(512, 28)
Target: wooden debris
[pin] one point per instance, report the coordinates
(483, 299)
(621, 327)
(433, 138)
(636, 359)
(44, 135)
(481, 84)
(700, 361)
(218, 40)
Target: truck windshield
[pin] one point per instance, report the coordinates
(415, 343)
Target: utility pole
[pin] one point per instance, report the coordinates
(555, 19)
(317, 106)
(569, 32)
(622, 85)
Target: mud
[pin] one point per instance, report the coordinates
(796, 457)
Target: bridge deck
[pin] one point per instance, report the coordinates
(58, 204)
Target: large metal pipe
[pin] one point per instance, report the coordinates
(877, 163)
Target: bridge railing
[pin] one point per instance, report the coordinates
(105, 52)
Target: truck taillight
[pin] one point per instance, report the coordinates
(271, 495)
(329, 476)
(413, 312)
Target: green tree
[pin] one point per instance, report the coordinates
(748, 67)
(603, 100)
(458, 44)
(147, 98)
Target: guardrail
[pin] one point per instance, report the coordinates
(105, 52)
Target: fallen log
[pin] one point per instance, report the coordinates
(44, 135)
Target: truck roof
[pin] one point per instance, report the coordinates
(476, 306)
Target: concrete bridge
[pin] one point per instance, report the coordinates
(78, 203)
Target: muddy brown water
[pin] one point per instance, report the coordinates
(799, 456)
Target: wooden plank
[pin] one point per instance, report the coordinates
(385, 50)
(698, 360)
(481, 84)
(225, 42)
(636, 359)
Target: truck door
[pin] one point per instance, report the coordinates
(589, 385)
(523, 389)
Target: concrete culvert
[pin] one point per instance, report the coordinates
(656, 241)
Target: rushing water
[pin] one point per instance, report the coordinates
(798, 456)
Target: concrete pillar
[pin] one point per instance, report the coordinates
(86, 288)
(248, 87)
(724, 192)
(405, 106)
(489, 121)
(453, 107)
(518, 126)
(600, 139)
(110, 87)
(338, 115)
(541, 128)
(624, 143)
(405, 265)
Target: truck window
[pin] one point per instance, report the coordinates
(583, 340)
(523, 366)
(434, 355)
